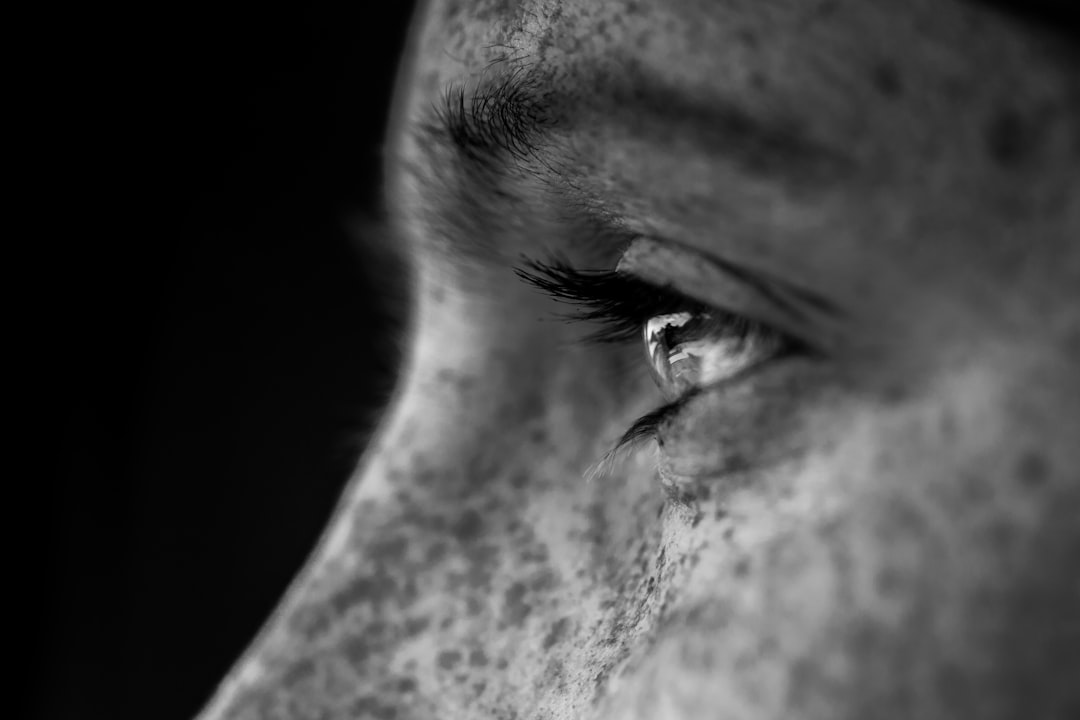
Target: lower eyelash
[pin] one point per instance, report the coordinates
(647, 426)
(643, 429)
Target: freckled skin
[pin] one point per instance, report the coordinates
(892, 534)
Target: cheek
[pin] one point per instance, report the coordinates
(750, 435)
(923, 565)
(908, 561)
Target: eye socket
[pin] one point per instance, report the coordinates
(689, 350)
(689, 346)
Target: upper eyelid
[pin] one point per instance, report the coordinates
(758, 296)
(790, 296)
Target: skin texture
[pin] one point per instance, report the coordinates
(890, 529)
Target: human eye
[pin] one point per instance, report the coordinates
(689, 347)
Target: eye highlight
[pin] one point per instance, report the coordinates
(692, 350)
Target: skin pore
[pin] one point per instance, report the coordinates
(885, 526)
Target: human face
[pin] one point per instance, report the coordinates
(872, 514)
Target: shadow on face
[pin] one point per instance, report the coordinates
(830, 251)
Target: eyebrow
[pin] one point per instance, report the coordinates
(503, 122)
(510, 120)
(507, 121)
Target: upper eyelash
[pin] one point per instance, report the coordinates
(622, 302)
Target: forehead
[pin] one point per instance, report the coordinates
(938, 173)
(727, 46)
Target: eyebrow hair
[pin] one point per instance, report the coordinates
(516, 120)
(509, 120)
(502, 119)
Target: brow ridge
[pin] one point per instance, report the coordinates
(508, 122)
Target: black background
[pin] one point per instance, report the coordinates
(216, 339)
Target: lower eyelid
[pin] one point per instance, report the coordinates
(657, 423)
(755, 421)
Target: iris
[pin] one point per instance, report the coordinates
(688, 350)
